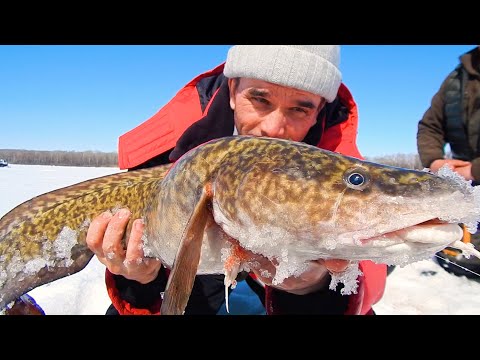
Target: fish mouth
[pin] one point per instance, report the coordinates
(399, 247)
(434, 231)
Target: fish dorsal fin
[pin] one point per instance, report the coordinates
(182, 276)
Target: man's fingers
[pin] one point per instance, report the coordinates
(112, 242)
(137, 266)
(336, 265)
(135, 245)
(96, 232)
(104, 238)
(457, 162)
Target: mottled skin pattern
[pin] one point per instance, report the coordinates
(305, 192)
(28, 230)
(275, 197)
(286, 180)
(297, 190)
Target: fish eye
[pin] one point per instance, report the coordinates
(356, 179)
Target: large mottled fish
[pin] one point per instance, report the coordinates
(288, 201)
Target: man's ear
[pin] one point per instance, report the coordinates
(232, 88)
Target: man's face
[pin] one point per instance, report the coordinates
(265, 109)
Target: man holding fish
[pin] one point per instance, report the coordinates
(292, 92)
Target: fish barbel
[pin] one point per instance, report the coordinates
(288, 201)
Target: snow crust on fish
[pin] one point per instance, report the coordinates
(400, 247)
(58, 252)
(465, 207)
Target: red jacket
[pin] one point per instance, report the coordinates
(177, 126)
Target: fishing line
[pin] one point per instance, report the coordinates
(461, 267)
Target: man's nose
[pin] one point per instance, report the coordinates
(274, 125)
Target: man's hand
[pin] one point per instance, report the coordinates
(104, 238)
(465, 171)
(313, 279)
(463, 168)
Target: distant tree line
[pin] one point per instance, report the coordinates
(60, 158)
(408, 161)
(110, 159)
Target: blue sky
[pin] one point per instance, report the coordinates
(80, 97)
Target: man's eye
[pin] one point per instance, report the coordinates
(261, 100)
(301, 110)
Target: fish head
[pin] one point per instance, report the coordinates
(294, 203)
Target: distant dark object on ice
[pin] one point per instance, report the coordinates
(3, 163)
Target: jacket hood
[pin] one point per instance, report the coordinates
(471, 61)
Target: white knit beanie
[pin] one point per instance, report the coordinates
(313, 68)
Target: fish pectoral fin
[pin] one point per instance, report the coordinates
(182, 276)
